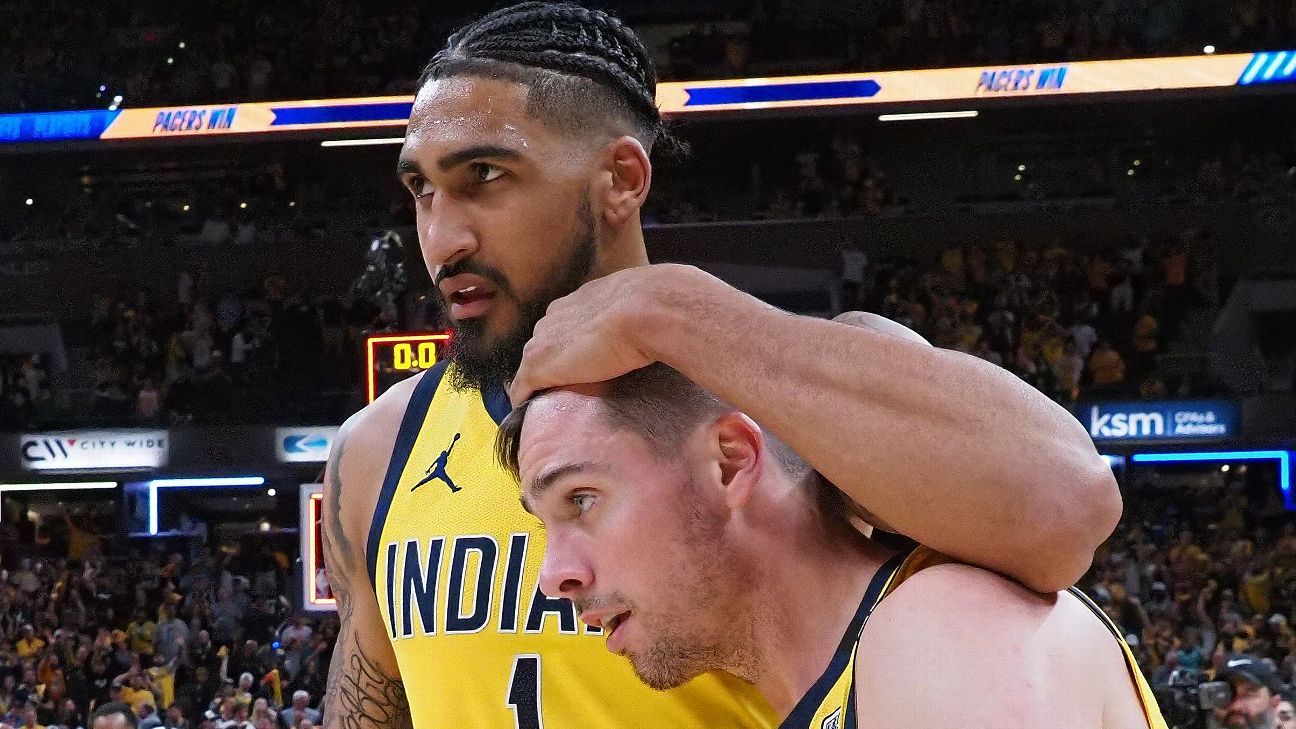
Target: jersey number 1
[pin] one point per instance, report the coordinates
(524, 691)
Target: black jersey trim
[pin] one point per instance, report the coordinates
(411, 423)
(496, 402)
(804, 711)
(1131, 666)
(1103, 617)
(851, 721)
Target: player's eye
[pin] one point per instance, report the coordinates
(418, 186)
(582, 502)
(483, 172)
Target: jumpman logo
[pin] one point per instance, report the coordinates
(438, 469)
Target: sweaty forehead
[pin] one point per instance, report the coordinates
(473, 109)
(563, 424)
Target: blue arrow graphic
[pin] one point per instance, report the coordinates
(805, 91)
(305, 443)
(396, 112)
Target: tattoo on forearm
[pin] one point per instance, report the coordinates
(361, 695)
(334, 515)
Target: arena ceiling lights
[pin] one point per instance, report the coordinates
(1113, 462)
(56, 486)
(361, 142)
(927, 115)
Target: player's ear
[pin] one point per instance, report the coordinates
(737, 449)
(629, 174)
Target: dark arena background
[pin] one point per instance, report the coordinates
(207, 264)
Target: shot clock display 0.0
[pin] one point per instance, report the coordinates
(390, 358)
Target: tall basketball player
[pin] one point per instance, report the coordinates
(527, 156)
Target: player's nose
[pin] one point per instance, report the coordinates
(564, 572)
(445, 234)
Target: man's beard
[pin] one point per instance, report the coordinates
(674, 659)
(680, 649)
(1266, 719)
(483, 365)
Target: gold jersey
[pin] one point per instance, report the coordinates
(830, 702)
(455, 564)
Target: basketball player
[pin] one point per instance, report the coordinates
(699, 544)
(527, 156)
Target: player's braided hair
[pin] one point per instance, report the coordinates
(565, 39)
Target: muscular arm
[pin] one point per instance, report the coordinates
(365, 690)
(947, 449)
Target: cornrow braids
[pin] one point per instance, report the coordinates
(565, 40)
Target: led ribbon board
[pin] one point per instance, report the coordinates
(981, 82)
(197, 121)
(886, 88)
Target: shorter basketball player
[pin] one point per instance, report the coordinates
(699, 543)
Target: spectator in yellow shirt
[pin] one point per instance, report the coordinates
(81, 541)
(1257, 585)
(136, 691)
(273, 681)
(162, 675)
(28, 645)
(243, 696)
(141, 632)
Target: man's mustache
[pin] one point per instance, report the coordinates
(478, 269)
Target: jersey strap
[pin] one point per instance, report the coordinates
(1146, 698)
(804, 711)
(415, 413)
(496, 402)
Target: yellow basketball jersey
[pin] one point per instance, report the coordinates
(830, 703)
(455, 562)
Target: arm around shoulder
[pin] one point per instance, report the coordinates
(946, 448)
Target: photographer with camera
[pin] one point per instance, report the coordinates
(1246, 693)
(1256, 694)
